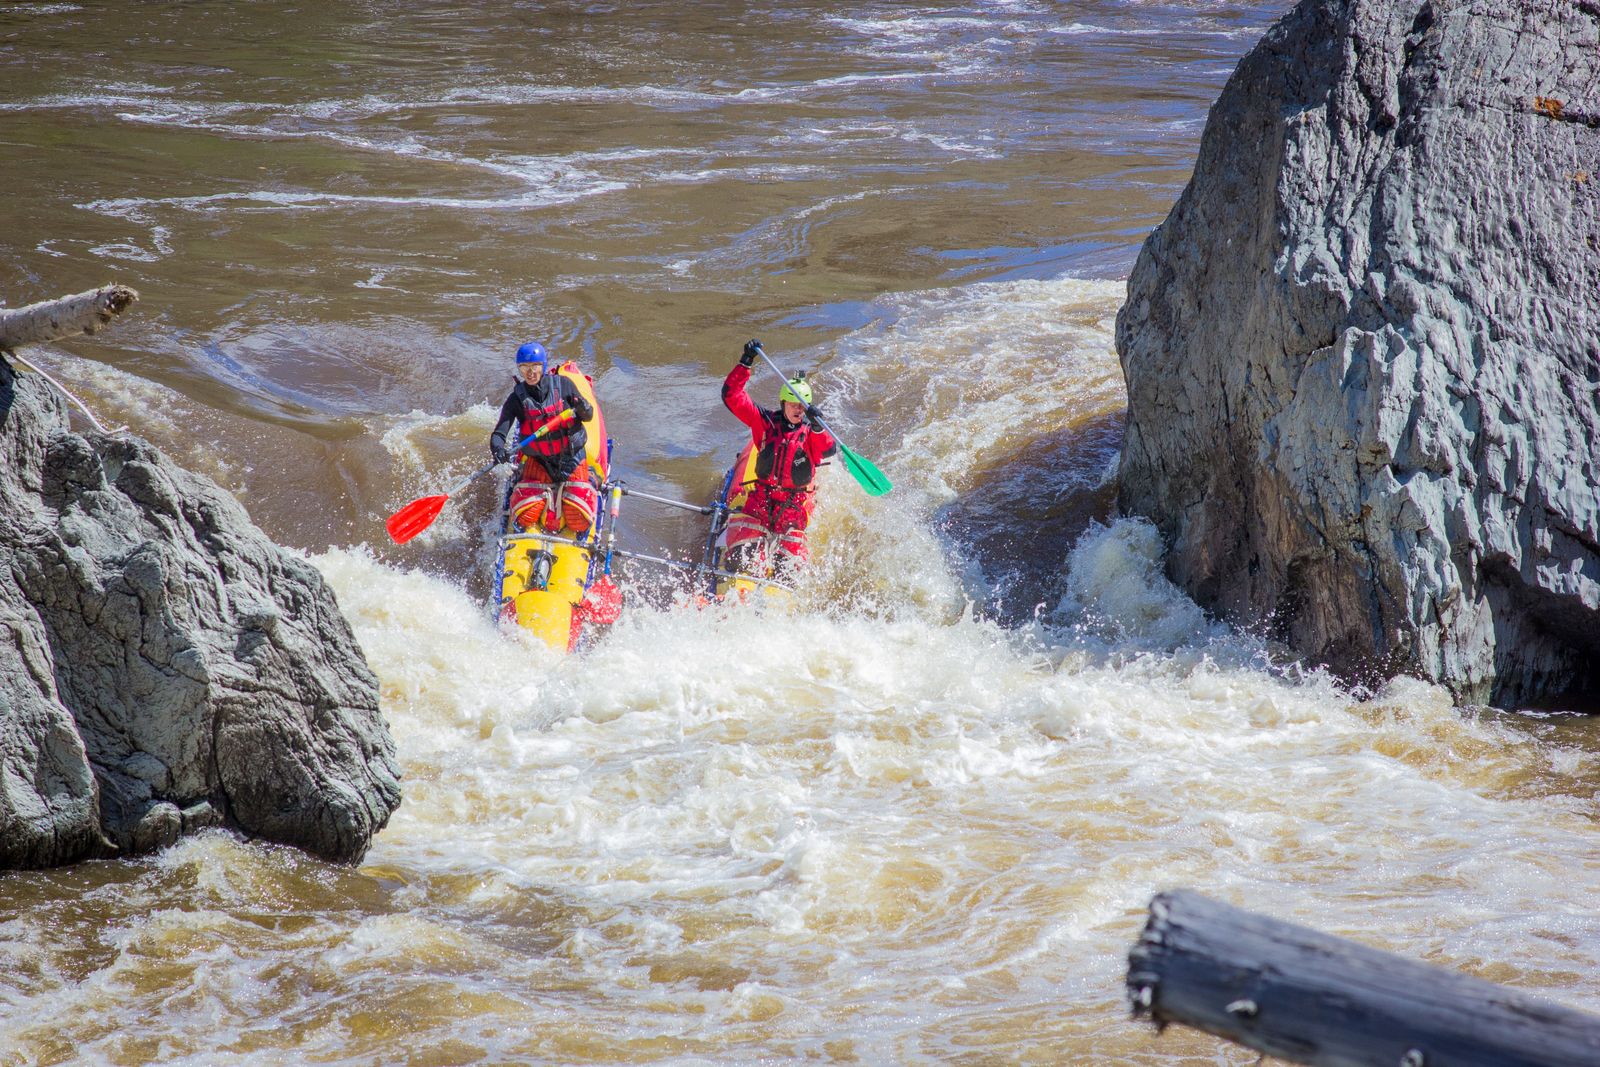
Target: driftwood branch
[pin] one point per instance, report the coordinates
(1307, 997)
(51, 319)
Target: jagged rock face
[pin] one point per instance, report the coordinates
(1363, 351)
(163, 665)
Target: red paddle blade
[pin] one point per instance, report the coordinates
(415, 517)
(602, 604)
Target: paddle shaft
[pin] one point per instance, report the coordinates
(418, 515)
(762, 352)
(867, 476)
(695, 568)
(534, 436)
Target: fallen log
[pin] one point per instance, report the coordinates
(63, 317)
(49, 320)
(1306, 997)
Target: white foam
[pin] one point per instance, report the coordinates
(424, 442)
(1116, 587)
(720, 831)
(952, 360)
(1077, 29)
(160, 247)
(848, 779)
(276, 200)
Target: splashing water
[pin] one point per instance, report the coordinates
(882, 828)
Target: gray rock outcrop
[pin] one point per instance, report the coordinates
(1363, 351)
(164, 666)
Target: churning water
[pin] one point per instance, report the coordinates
(916, 820)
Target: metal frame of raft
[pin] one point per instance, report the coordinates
(707, 567)
(552, 588)
(549, 559)
(548, 588)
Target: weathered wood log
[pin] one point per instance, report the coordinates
(1307, 997)
(51, 319)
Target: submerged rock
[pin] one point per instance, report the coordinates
(164, 666)
(1363, 351)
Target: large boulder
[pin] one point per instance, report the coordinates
(1363, 351)
(164, 666)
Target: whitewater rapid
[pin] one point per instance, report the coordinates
(885, 827)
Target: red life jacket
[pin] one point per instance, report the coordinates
(569, 436)
(782, 461)
(786, 455)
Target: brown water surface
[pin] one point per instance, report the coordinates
(916, 821)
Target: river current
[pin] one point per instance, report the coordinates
(917, 820)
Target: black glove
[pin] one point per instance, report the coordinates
(562, 471)
(814, 417)
(500, 452)
(747, 358)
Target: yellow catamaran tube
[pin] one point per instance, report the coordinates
(544, 576)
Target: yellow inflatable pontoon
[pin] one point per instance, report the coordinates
(552, 583)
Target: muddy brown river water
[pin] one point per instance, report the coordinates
(915, 822)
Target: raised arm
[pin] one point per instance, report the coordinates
(738, 401)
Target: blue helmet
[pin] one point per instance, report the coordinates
(533, 352)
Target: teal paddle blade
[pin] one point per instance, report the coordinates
(867, 476)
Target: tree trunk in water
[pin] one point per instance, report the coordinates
(51, 319)
(1307, 997)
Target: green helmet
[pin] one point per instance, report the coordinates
(796, 391)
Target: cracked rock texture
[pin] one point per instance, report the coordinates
(164, 667)
(1363, 351)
